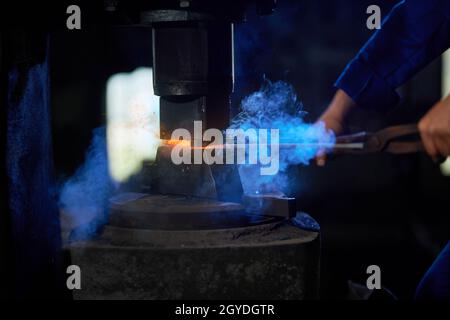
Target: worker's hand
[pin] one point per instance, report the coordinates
(333, 123)
(435, 129)
(334, 118)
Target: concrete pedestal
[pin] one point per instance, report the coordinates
(274, 260)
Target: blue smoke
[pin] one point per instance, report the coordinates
(276, 106)
(29, 166)
(84, 196)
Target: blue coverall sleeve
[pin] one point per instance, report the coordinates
(413, 34)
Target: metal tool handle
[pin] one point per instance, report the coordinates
(399, 147)
(401, 139)
(391, 139)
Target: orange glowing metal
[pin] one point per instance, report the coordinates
(184, 143)
(188, 143)
(168, 142)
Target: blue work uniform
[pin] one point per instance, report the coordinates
(414, 34)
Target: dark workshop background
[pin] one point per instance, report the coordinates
(392, 211)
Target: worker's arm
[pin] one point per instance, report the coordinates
(412, 35)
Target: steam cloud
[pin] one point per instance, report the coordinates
(276, 106)
(83, 198)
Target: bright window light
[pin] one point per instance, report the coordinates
(445, 167)
(132, 122)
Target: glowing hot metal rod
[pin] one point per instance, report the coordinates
(391, 140)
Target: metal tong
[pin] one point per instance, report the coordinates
(401, 139)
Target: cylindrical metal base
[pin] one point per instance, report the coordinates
(277, 260)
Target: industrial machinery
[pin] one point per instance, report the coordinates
(187, 232)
